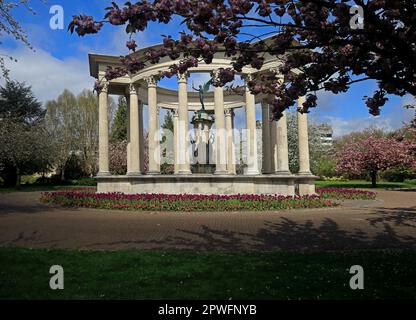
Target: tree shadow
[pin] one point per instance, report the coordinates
(405, 217)
(286, 235)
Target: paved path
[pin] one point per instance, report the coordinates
(389, 222)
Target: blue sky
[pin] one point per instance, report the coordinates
(60, 61)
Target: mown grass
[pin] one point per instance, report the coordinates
(36, 188)
(364, 184)
(24, 274)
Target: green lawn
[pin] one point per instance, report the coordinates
(24, 274)
(35, 188)
(321, 184)
(364, 184)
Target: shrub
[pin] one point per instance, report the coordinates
(74, 168)
(82, 182)
(325, 167)
(166, 168)
(340, 178)
(29, 179)
(398, 174)
(55, 180)
(410, 181)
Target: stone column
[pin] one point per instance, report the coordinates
(220, 137)
(103, 163)
(229, 127)
(134, 168)
(175, 139)
(252, 156)
(154, 148)
(267, 146)
(128, 128)
(282, 159)
(304, 164)
(273, 147)
(183, 126)
(141, 137)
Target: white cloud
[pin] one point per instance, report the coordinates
(390, 120)
(48, 75)
(115, 43)
(345, 126)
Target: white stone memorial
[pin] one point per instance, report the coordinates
(142, 89)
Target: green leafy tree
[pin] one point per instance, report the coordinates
(168, 122)
(88, 129)
(316, 149)
(25, 146)
(63, 121)
(73, 124)
(119, 128)
(19, 104)
(24, 150)
(167, 146)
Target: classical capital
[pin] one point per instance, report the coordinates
(151, 81)
(215, 74)
(175, 112)
(133, 89)
(102, 86)
(183, 77)
(229, 112)
(301, 101)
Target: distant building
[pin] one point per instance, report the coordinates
(326, 134)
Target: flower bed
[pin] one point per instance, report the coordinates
(183, 203)
(345, 194)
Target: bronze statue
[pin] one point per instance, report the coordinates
(203, 89)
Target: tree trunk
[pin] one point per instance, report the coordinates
(374, 179)
(10, 177)
(63, 174)
(18, 178)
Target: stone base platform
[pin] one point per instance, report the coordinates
(209, 184)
